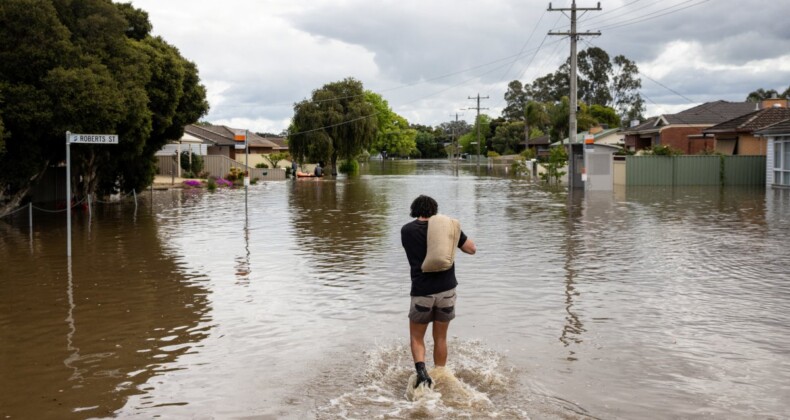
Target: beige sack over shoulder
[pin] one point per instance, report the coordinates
(443, 236)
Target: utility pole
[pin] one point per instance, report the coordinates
(455, 141)
(574, 36)
(478, 124)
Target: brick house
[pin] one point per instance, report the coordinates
(220, 140)
(737, 136)
(683, 130)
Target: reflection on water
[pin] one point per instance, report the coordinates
(292, 303)
(78, 337)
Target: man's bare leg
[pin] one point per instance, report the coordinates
(440, 343)
(417, 333)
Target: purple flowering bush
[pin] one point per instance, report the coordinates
(224, 183)
(193, 183)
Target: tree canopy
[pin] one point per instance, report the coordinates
(337, 122)
(762, 93)
(602, 80)
(393, 134)
(88, 66)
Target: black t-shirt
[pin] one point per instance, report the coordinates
(414, 237)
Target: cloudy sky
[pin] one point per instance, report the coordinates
(426, 57)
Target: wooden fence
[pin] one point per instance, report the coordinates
(219, 166)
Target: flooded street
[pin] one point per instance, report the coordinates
(644, 303)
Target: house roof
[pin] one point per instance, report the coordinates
(224, 136)
(751, 122)
(215, 134)
(537, 141)
(780, 128)
(709, 113)
(601, 134)
(279, 141)
(651, 124)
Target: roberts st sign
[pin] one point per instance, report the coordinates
(94, 138)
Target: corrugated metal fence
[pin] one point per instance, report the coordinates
(219, 166)
(695, 170)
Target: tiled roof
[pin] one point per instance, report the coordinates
(217, 134)
(649, 124)
(752, 121)
(258, 141)
(780, 128)
(279, 141)
(711, 113)
(223, 136)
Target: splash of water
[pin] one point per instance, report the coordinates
(475, 384)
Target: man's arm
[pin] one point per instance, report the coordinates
(469, 247)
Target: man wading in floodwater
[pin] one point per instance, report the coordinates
(432, 293)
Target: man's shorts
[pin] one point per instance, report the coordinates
(437, 307)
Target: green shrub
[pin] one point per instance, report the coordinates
(262, 165)
(211, 184)
(662, 151)
(197, 163)
(493, 154)
(350, 166)
(528, 154)
(558, 157)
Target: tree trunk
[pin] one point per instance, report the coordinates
(17, 197)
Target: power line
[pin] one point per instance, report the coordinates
(600, 15)
(654, 15)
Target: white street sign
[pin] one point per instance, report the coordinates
(94, 138)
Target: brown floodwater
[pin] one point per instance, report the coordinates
(292, 303)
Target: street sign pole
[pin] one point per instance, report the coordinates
(68, 194)
(79, 138)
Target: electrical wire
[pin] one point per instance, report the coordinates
(654, 15)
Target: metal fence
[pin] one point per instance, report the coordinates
(219, 166)
(695, 170)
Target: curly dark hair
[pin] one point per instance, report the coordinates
(424, 206)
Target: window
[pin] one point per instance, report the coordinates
(778, 155)
(782, 161)
(786, 157)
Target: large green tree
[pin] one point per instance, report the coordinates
(393, 135)
(602, 80)
(88, 66)
(516, 99)
(33, 41)
(337, 122)
(507, 137)
(468, 141)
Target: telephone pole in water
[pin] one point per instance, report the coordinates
(455, 143)
(574, 36)
(478, 124)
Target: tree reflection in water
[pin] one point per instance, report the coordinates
(83, 341)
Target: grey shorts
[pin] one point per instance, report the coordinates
(437, 307)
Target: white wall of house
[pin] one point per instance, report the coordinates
(777, 161)
(172, 148)
(615, 139)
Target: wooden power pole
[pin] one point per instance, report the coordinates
(574, 36)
